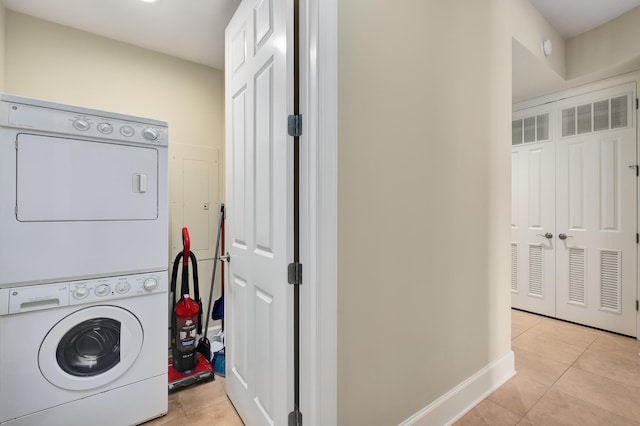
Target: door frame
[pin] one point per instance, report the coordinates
(318, 211)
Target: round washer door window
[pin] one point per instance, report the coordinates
(90, 347)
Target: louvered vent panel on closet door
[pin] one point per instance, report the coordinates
(514, 266)
(619, 112)
(516, 132)
(601, 115)
(594, 117)
(568, 122)
(542, 127)
(535, 270)
(610, 280)
(577, 277)
(584, 119)
(530, 129)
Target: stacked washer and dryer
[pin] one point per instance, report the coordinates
(83, 265)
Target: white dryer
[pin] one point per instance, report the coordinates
(83, 193)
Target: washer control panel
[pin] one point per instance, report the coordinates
(49, 296)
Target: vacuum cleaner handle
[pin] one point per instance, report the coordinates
(186, 241)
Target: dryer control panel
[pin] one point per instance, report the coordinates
(36, 115)
(49, 296)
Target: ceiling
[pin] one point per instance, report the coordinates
(188, 29)
(194, 29)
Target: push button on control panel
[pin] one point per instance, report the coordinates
(127, 131)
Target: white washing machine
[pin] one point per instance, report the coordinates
(83, 265)
(89, 352)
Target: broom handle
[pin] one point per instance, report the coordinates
(215, 263)
(224, 214)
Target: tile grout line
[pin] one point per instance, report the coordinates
(601, 375)
(559, 377)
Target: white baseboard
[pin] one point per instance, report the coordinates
(461, 399)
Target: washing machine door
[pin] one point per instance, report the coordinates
(90, 347)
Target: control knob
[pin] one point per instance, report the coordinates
(105, 128)
(122, 287)
(80, 293)
(81, 124)
(103, 290)
(150, 134)
(150, 284)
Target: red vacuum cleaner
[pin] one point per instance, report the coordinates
(187, 365)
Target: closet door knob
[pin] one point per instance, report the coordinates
(547, 235)
(564, 236)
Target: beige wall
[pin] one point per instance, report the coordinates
(530, 28)
(606, 51)
(423, 203)
(2, 37)
(57, 63)
(609, 46)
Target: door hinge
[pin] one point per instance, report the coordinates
(295, 125)
(637, 238)
(636, 167)
(295, 273)
(637, 305)
(636, 103)
(295, 418)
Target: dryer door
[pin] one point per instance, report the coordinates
(90, 347)
(62, 180)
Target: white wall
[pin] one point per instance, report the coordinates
(57, 63)
(424, 105)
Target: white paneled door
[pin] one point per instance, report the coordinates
(259, 176)
(532, 225)
(596, 216)
(574, 210)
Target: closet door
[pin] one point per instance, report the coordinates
(596, 219)
(532, 213)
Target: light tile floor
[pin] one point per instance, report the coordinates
(200, 405)
(566, 375)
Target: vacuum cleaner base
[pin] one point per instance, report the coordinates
(202, 373)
